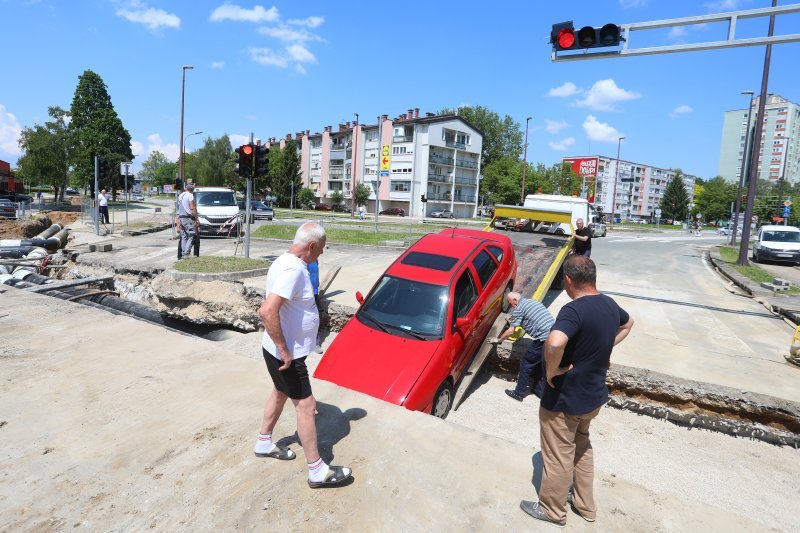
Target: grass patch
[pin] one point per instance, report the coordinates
(212, 264)
(341, 235)
(730, 255)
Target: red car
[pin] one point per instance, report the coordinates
(322, 207)
(396, 211)
(419, 327)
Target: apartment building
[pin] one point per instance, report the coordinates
(779, 151)
(399, 159)
(640, 187)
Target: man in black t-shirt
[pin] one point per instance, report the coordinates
(577, 355)
(583, 239)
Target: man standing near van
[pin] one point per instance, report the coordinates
(583, 240)
(187, 214)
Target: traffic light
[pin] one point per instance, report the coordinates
(178, 184)
(563, 36)
(260, 158)
(244, 160)
(424, 199)
(103, 171)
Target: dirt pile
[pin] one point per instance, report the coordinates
(25, 229)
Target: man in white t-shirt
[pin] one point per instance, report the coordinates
(102, 206)
(291, 320)
(187, 216)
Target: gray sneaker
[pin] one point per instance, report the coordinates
(533, 509)
(570, 497)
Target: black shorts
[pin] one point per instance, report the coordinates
(293, 381)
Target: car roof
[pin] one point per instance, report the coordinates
(776, 227)
(458, 244)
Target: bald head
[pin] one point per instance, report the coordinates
(513, 298)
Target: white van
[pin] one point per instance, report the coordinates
(777, 243)
(218, 212)
(580, 208)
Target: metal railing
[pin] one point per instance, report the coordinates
(442, 178)
(466, 163)
(455, 144)
(403, 138)
(436, 158)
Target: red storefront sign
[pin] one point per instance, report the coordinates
(586, 167)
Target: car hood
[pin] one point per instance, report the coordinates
(780, 245)
(376, 363)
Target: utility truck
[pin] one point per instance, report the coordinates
(577, 207)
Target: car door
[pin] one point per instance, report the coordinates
(463, 298)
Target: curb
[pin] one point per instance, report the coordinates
(213, 276)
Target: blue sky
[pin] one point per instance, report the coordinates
(278, 68)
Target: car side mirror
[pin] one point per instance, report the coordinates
(359, 297)
(463, 323)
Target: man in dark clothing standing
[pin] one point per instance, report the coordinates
(583, 239)
(577, 355)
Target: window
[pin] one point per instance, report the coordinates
(401, 186)
(484, 266)
(464, 295)
(398, 150)
(496, 252)
(434, 261)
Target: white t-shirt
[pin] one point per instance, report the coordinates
(102, 200)
(288, 278)
(183, 203)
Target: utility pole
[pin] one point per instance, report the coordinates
(746, 160)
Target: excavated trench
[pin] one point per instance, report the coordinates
(208, 308)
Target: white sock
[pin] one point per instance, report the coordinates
(317, 471)
(264, 443)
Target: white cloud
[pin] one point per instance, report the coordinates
(681, 110)
(300, 69)
(299, 53)
(154, 144)
(238, 140)
(562, 145)
(677, 33)
(267, 56)
(603, 96)
(10, 131)
(600, 131)
(234, 12)
(217, 64)
(150, 17)
(567, 89)
(311, 22)
(719, 6)
(287, 34)
(632, 4)
(554, 126)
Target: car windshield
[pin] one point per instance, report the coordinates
(406, 308)
(215, 198)
(782, 236)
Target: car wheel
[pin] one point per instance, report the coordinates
(559, 231)
(504, 305)
(756, 258)
(442, 400)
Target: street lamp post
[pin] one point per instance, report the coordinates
(746, 158)
(524, 163)
(353, 169)
(184, 148)
(183, 93)
(616, 179)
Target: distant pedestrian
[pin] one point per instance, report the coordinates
(102, 206)
(583, 239)
(187, 214)
(577, 356)
(536, 320)
(361, 212)
(291, 322)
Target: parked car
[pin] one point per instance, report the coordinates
(322, 207)
(396, 211)
(724, 230)
(415, 333)
(7, 209)
(259, 209)
(598, 229)
(777, 243)
(16, 197)
(71, 190)
(341, 208)
(138, 197)
(442, 213)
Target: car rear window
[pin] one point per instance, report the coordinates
(432, 261)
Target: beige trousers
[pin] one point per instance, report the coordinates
(568, 461)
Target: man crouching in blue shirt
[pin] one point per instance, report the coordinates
(577, 355)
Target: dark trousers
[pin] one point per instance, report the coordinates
(531, 371)
(104, 214)
(196, 245)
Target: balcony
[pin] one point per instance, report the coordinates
(403, 138)
(446, 196)
(473, 182)
(442, 160)
(466, 163)
(440, 178)
(454, 144)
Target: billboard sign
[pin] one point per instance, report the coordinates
(586, 167)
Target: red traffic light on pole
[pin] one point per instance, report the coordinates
(260, 158)
(244, 160)
(563, 36)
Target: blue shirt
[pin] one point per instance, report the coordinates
(313, 273)
(591, 324)
(534, 318)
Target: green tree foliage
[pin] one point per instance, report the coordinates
(212, 164)
(96, 130)
(283, 172)
(502, 137)
(713, 199)
(305, 197)
(675, 203)
(557, 179)
(166, 174)
(46, 148)
(362, 192)
(501, 182)
(337, 197)
(150, 167)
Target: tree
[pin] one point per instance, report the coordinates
(675, 202)
(713, 199)
(166, 174)
(47, 151)
(305, 197)
(283, 169)
(151, 165)
(337, 197)
(213, 163)
(502, 137)
(362, 192)
(96, 130)
(501, 181)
